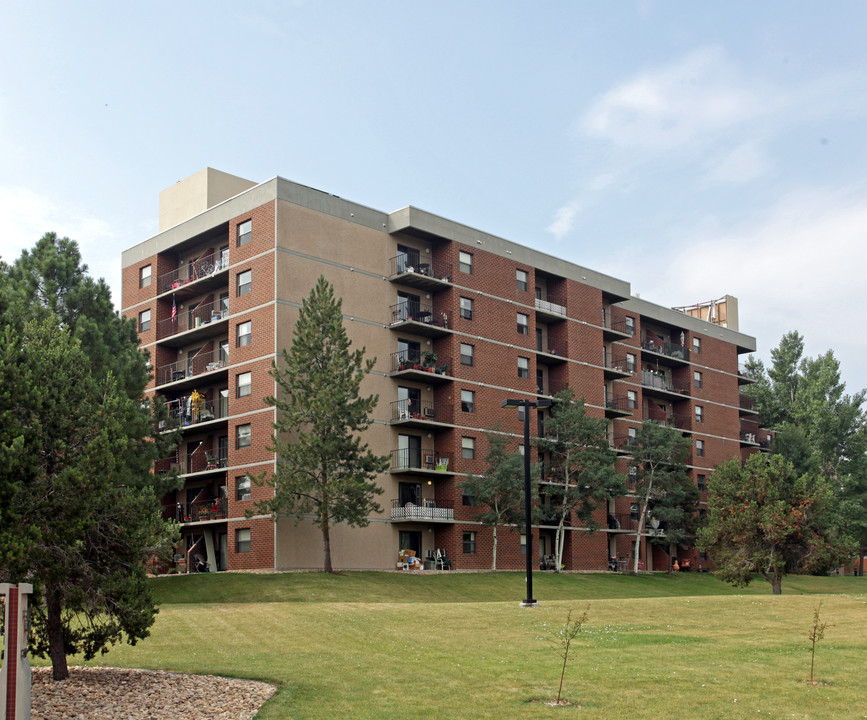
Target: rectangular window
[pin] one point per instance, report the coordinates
(523, 545)
(465, 261)
(630, 435)
(245, 282)
(144, 276)
(696, 376)
(522, 412)
(699, 413)
(699, 448)
(245, 333)
(467, 352)
(469, 543)
(144, 320)
(243, 436)
(523, 324)
(245, 232)
(630, 325)
(466, 308)
(523, 367)
(245, 384)
(630, 362)
(701, 482)
(631, 399)
(521, 279)
(696, 345)
(242, 540)
(242, 488)
(632, 477)
(468, 448)
(468, 500)
(468, 401)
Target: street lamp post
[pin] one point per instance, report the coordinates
(528, 510)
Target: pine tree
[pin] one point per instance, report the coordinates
(324, 471)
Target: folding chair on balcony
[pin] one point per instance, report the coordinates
(442, 561)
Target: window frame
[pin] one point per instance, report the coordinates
(697, 378)
(468, 542)
(699, 448)
(245, 237)
(243, 488)
(468, 448)
(696, 346)
(145, 278)
(524, 372)
(466, 307)
(630, 324)
(699, 413)
(523, 328)
(465, 262)
(243, 546)
(248, 335)
(243, 439)
(522, 284)
(468, 406)
(248, 285)
(244, 381)
(471, 355)
(144, 325)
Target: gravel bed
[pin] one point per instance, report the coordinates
(96, 693)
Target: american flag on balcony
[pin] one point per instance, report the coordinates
(174, 309)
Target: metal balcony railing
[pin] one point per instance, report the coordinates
(620, 326)
(552, 346)
(552, 304)
(746, 402)
(417, 360)
(428, 510)
(202, 362)
(420, 459)
(670, 349)
(417, 410)
(186, 414)
(418, 312)
(197, 269)
(203, 314)
(620, 363)
(439, 269)
(620, 404)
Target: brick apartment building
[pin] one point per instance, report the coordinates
(457, 319)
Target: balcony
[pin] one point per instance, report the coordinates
(420, 413)
(201, 460)
(551, 308)
(419, 319)
(617, 330)
(428, 511)
(745, 377)
(619, 406)
(185, 370)
(187, 415)
(551, 352)
(414, 365)
(618, 366)
(425, 461)
(206, 320)
(657, 383)
(662, 350)
(749, 439)
(747, 405)
(430, 275)
(623, 522)
(197, 275)
(621, 443)
(660, 417)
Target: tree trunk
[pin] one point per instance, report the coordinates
(54, 623)
(641, 518)
(326, 544)
(494, 561)
(777, 584)
(558, 543)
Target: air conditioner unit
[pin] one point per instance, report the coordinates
(429, 412)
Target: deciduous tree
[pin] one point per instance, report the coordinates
(579, 466)
(663, 487)
(324, 471)
(765, 518)
(499, 493)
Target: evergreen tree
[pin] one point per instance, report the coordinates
(663, 487)
(765, 518)
(500, 490)
(79, 509)
(323, 470)
(579, 471)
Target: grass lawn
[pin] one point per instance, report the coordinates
(389, 645)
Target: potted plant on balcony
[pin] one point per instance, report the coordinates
(429, 357)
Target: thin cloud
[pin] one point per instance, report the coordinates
(564, 219)
(744, 164)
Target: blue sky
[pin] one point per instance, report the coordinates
(693, 149)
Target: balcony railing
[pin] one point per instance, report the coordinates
(743, 372)
(664, 347)
(418, 410)
(428, 510)
(620, 363)
(659, 381)
(416, 360)
(552, 304)
(621, 404)
(202, 362)
(622, 521)
(200, 460)
(203, 314)
(183, 411)
(420, 459)
(552, 346)
(439, 269)
(203, 267)
(746, 402)
(749, 437)
(619, 326)
(418, 312)
(621, 442)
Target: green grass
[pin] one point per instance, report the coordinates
(388, 645)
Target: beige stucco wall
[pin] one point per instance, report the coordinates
(197, 193)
